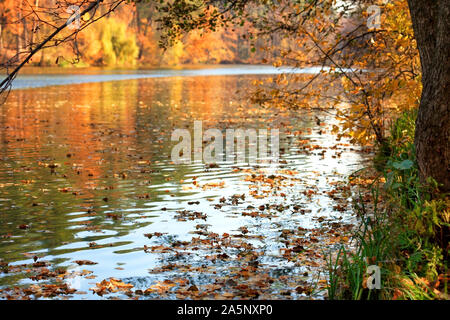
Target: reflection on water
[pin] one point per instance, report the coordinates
(85, 172)
(43, 77)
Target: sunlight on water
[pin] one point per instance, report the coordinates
(86, 172)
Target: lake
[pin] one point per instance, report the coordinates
(86, 175)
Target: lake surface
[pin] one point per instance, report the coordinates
(86, 174)
(44, 77)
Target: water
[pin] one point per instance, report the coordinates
(35, 78)
(86, 174)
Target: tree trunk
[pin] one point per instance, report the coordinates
(35, 27)
(18, 38)
(431, 25)
(1, 39)
(138, 31)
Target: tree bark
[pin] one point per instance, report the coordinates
(431, 26)
(35, 27)
(18, 38)
(1, 39)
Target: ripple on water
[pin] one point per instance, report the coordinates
(113, 183)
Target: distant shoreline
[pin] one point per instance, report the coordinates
(50, 77)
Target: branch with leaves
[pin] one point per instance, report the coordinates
(91, 8)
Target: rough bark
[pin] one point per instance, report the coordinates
(431, 25)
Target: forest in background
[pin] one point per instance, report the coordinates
(129, 37)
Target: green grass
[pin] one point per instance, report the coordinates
(404, 229)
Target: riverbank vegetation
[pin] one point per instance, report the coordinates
(404, 228)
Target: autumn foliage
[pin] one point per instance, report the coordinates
(128, 37)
